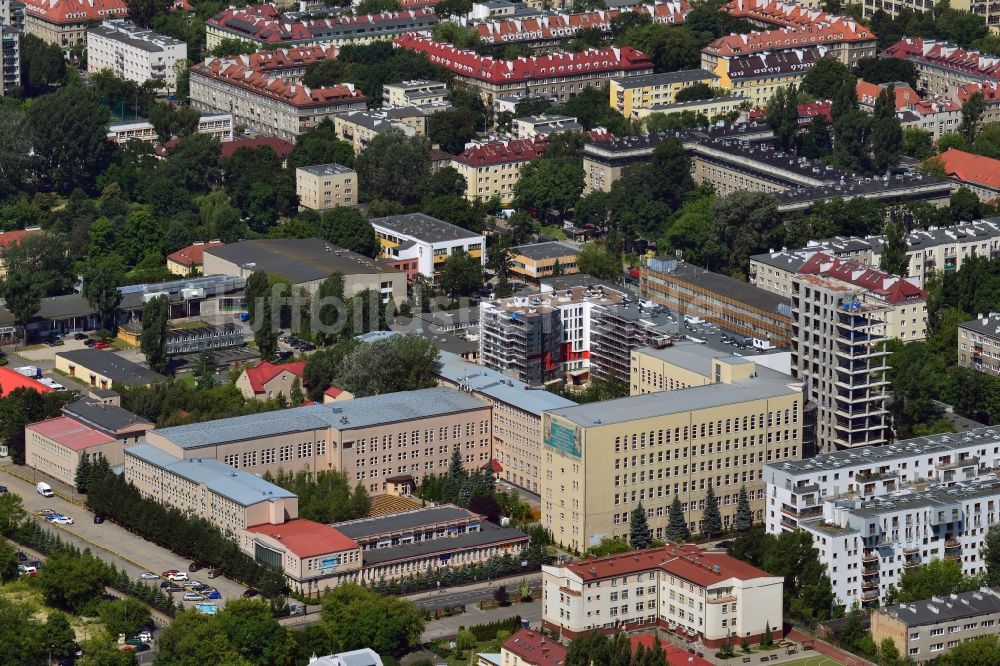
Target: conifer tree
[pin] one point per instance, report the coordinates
(640, 536)
(711, 521)
(82, 473)
(744, 516)
(677, 529)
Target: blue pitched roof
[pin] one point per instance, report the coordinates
(498, 386)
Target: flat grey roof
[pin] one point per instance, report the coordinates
(241, 487)
(489, 533)
(405, 520)
(549, 250)
(119, 370)
(666, 78)
(500, 387)
(109, 418)
(652, 405)
(576, 280)
(899, 450)
(943, 609)
(299, 259)
(424, 228)
(346, 415)
(327, 169)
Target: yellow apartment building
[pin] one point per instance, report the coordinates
(326, 186)
(631, 93)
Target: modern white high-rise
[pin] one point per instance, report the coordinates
(134, 53)
(875, 512)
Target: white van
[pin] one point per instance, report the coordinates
(44, 489)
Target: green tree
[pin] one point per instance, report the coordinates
(596, 261)
(889, 653)
(452, 129)
(894, 247)
(193, 639)
(153, 342)
(972, 115)
(265, 335)
(549, 185)
(991, 556)
(886, 70)
(255, 634)
(936, 578)
(349, 229)
(103, 650)
(320, 145)
(982, 651)
(918, 143)
(695, 91)
(58, 636)
(611, 546)
(42, 64)
(8, 561)
(355, 617)
(886, 132)
(47, 257)
(394, 363)
(461, 274)
(828, 77)
(70, 133)
(329, 311)
(640, 536)
(124, 616)
(82, 473)
(12, 513)
(142, 12)
(394, 166)
(101, 280)
(256, 291)
(69, 581)
(767, 640)
(677, 527)
(22, 295)
(711, 522)
(744, 516)
(783, 117)
(205, 369)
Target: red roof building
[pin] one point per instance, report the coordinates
(550, 27)
(192, 257)
(980, 174)
(675, 655)
(942, 68)
(867, 94)
(287, 63)
(306, 538)
(885, 286)
(847, 40)
(777, 13)
(70, 434)
(560, 74)
(14, 236)
(67, 12)
(10, 381)
(268, 380)
(533, 649)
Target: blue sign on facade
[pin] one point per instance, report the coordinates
(562, 438)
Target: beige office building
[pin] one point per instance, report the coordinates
(326, 186)
(664, 445)
(415, 93)
(369, 439)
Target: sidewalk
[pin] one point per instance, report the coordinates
(445, 592)
(447, 627)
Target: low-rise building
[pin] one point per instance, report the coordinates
(363, 657)
(9, 239)
(536, 261)
(219, 126)
(560, 75)
(979, 344)
(265, 103)
(326, 186)
(529, 127)
(632, 93)
(924, 630)
(492, 169)
(306, 263)
(189, 260)
(731, 305)
(414, 93)
(310, 554)
(64, 23)
(698, 595)
(135, 54)
(358, 127)
(710, 108)
(517, 416)
(268, 380)
(264, 25)
(979, 173)
(104, 369)
(420, 244)
(665, 447)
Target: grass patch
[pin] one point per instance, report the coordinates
(552, 231)
(120, 344)
(188, 325)
(815, 660)
(23, 591)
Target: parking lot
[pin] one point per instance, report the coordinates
(108, 541)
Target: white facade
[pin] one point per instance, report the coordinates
(426, 240)
(134, 54)
(877, 511)
(702, 595)
(219, 126)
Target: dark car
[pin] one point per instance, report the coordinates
(196, 566)
(142, 647)
(3, 489)
(249, 594)
(174, 587)
(98, 518)
(79, 336)
(56, 342)
(22, 556)
(724, 544)
(89, 342)
(165, 584)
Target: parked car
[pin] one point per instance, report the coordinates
(56, 342)
(53, 516)
(169, 571)
(193, 596)
(3, 489)
(100, 345)
(98, 518)
(44, 512)
(63, 520)
(212, 594)
(180, 576)
(195, 585)
(174, 587)
(250, 593)
(79, 336)
(196, 566)
(213, 573)
(165, 584)
(26, 570)
(22, 556)
(145, 636)
(90, 342)
(148, 575)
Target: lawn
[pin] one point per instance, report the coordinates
(552, 231)
(815, 660)
(21, 591)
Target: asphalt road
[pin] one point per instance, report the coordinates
(111, 543)
(472, 597)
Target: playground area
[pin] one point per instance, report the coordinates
(815, 660)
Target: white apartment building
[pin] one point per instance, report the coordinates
(530, 127)
(10, 59)
(414, 93)
(419, 243)
(219, 126)
(134, 53)
(704, 596)
(876, 511)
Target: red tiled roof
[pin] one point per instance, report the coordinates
(780, 13)
(682, 560)
(265, 371)
(501, 152)
(892, 288)
(946, 56)
(306, 538)
(810, 111)
(535, 649)
(10, 380)
(333, 391)
(280, 146)
(264, 23)
(234, 72)
(675, 655)
(556, 26)
(991, 92)
(280, 59)
(193, 255)
(971, 168)
(8, 238)
(789, 38)
(76, 11)
(867, 94)
(471, 65)
(69, 433)
(493, 466)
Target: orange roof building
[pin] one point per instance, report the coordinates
(266, 380)
(190, 259)
(699, 594)
(980, 174)
(847, 41)
(265, 103)
(64, 22)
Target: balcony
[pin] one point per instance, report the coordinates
(869, 595)
(870, 556)
(911, 564)
(869, 571)
(869, 585)
(911, 550)
(953, 555)
(952, 543)
(868, 477)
